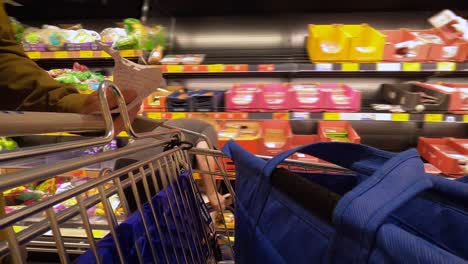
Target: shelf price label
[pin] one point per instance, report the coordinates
(266, 67)
(127, 53)
(61, 54)
(411, 66)
(465, 118)
(330, 116)
(388, 66)
(86, 54)
(446, 66)
(176, 115)
(281, 116)
(153, 115)
(215, 68)
(324, 67)
(34, 55)
(400, 117)
(350, 67)
(433, 117)
(174, 68)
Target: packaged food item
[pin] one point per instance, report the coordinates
(155, 55)
(229, 220)
(31, 35)
(80, 77)
(48, 186)
(172, 59)
(133, 26)
(193, 59)
(152, 37)
(129, 42)
(452, 26)
(23, 196)
(83, 36)
(113, 34)
(53, 37)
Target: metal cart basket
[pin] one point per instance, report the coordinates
(171, 223)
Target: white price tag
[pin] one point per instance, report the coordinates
(324, 67)
(300, 115)
(388, 66)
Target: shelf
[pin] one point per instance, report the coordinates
(82, 54)
(64, 59)
(313, 69)
(391, 117)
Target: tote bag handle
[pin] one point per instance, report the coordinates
(359, 158)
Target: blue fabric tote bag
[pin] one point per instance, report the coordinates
(389, 210)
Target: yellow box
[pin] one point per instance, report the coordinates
(327, 43)
(345, 43)
(366, 43)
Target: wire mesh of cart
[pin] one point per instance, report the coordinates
(169, 222)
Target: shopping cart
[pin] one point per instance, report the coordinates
(171, 223)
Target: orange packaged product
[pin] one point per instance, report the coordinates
(157, 100)
(449, 155)
(402, 45)
(245, 133)
(276, 137)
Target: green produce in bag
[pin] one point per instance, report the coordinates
(133, 26)
(153, 37)
(67, 78)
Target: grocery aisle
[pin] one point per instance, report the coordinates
(272, 76)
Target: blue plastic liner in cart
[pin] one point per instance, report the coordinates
(178, 235)
(392, 212)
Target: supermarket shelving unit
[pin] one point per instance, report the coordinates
(251, 43)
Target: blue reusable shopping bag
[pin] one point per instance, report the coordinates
(391, 211)
(177, 237)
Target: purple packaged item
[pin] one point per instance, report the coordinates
(34, 47)
(84, 46)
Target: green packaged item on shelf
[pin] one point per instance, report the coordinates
(31, 35)
(133, 25)
(338, 138)
(7, 144)
(126, 43)
(153, 37)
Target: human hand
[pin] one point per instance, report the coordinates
(217, 200)
(93, 105)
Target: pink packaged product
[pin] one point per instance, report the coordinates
(243, 97)
(274, 97)
(305, 97)
(340, 97)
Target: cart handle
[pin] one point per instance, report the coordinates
(22, 123)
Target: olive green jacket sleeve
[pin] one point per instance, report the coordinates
(24, 85)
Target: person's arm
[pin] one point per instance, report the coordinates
(207, 163)
(26, 86)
